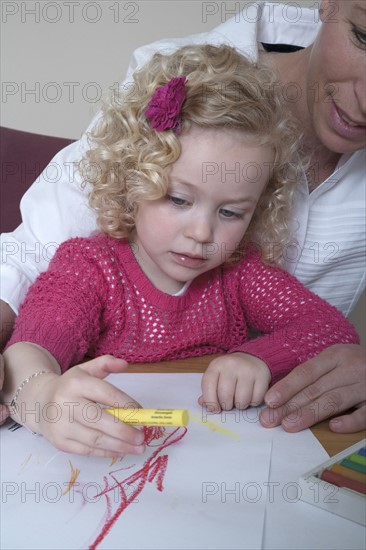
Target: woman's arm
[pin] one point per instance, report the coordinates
(7, 317)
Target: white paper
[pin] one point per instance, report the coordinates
(214, 488)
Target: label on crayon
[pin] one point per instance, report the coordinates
(151, 417)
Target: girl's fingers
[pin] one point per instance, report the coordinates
(101, 366)
(226, 391)
(111, 426)
(95, 442)
(97, 439)
(209, 386)
(82, 420)
(79, 448)
(244, 394)
(100, 391)
(259, 391)
(94, 390)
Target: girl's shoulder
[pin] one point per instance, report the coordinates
(251, 256)
(97, 248)
(96, 241)
(252, 264)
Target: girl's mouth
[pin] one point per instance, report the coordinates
(188, 261)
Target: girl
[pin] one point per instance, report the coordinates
(186, 172)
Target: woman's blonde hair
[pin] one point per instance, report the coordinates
(127, 162)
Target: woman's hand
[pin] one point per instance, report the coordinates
(235, 380)
(69, 414)
(327, 385)
(4, 411)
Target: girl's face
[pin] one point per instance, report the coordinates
(214, 189)
(336, 91)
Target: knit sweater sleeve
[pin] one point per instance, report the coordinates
(295, 323)
(62, 310)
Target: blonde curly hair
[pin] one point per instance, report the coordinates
(129, 159)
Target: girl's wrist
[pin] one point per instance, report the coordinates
(26, 407)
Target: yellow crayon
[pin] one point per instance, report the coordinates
(151, 417)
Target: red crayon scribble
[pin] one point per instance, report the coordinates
(152, 433)
(154, 468)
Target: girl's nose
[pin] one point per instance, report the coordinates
(199, 228)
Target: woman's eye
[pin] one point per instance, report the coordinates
(359, 35)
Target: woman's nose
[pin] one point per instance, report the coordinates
(360, 89)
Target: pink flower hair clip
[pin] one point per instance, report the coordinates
(165, 105)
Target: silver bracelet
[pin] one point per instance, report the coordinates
(13, 403)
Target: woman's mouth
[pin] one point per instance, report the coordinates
(345, 126)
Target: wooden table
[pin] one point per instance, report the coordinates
(332, 443)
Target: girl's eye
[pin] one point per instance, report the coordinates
(359, 35)
(177, 200)
(229, 213)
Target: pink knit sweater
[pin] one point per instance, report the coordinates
(95, 300)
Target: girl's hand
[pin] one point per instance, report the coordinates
(235, 380)
(70, 417)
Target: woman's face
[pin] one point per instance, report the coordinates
(336, 92)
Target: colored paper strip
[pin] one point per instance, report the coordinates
(348, 473)
(353, 466)
(342, 481)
